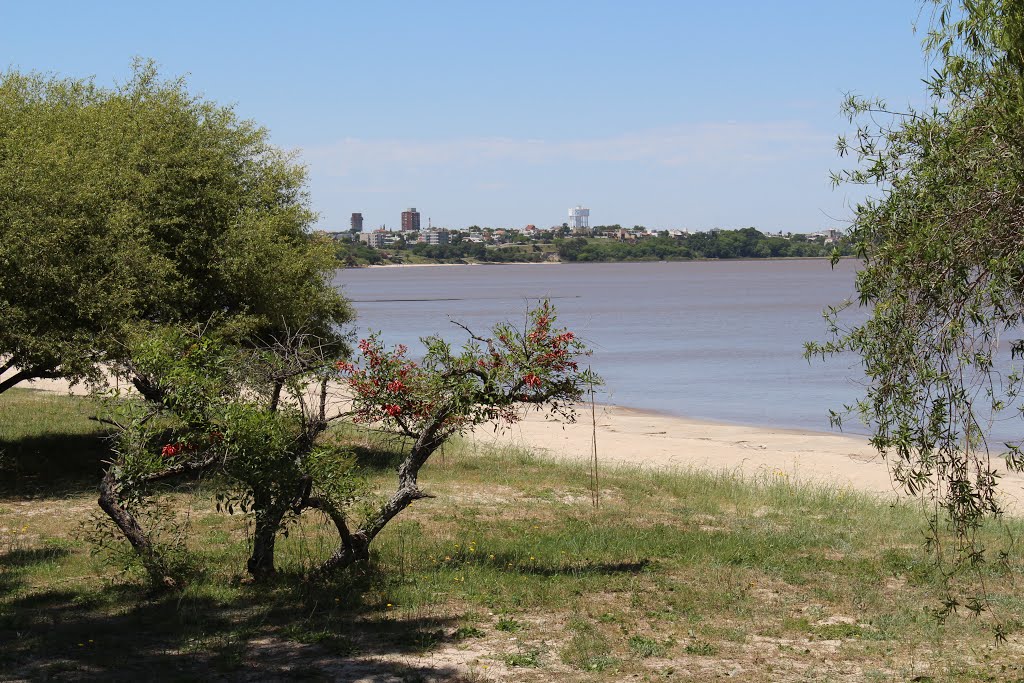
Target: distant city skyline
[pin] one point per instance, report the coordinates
(678, 115)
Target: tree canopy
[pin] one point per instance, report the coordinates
(943, 248)
(144, 202)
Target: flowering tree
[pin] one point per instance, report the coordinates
(491, 378)
(253, 419)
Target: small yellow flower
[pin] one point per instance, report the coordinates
(389, 604)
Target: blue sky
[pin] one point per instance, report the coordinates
(669, 114)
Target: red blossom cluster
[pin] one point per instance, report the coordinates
(534, 365)
(171, 450)
(382, 387)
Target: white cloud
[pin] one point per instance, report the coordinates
(720, 144)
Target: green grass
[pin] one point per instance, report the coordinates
(508, 574)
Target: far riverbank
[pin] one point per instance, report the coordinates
(564, 263)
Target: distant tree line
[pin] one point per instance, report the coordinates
(352, 254)
(721, 244)
(464, 249)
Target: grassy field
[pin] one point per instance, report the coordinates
(509, 574)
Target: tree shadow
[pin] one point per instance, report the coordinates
(513, 564)
(15, 561)
(376, 458)
(125, 633)
(52, 465)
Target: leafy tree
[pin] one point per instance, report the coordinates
(144, 202)
(218, 409)
(943, 265)
(491, 379)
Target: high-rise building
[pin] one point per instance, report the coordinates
(579, 218)
(411, 219)
(357, 222)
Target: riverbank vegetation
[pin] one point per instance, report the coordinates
(510, 573)
(748, 243)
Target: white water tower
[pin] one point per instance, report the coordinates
(579, 218)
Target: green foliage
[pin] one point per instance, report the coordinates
(642, 646)
(508, 625)
(355, 253)
(943, 270)
(212, 415)
(702, 648)
(721, 244)
(523, 658)
(145, 202)
(459, 251)
(943, 261)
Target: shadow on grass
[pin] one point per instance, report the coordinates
(282, 630)
(515, 565)
(378, 458)
(52, 466)
(21, 558)
(14, 562)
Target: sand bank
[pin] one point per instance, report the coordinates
(439, 265)
(657, 441)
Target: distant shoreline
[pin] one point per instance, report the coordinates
(587, 263)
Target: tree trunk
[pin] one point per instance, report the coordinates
(268, 521)
(357, 548)
(133, 531)
(275, 396)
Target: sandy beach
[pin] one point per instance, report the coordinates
(651, 440)
(665, 442)
(439, 265)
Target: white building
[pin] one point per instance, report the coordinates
(579, 218)
(435, 236)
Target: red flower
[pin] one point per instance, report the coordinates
(393, 410)
(344, 366)
(170, 450)
(532, 380)
(395, 385)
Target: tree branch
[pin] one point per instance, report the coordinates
(24, 375)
